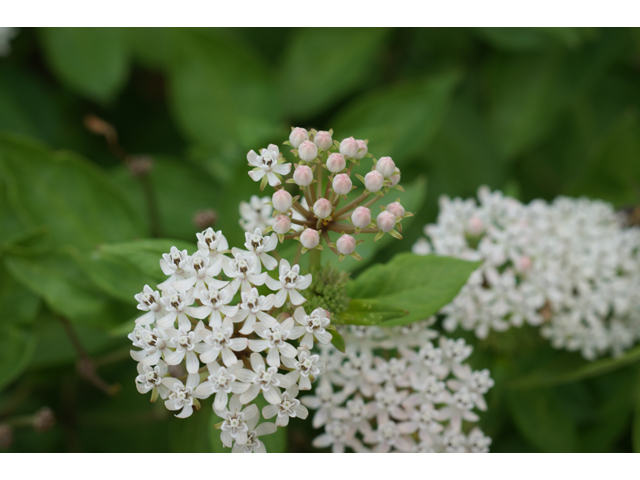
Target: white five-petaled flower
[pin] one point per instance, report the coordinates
(153, 342)
(172, 264)
(217, 302)
(266, 379)
(311, 326)
(275, 340)
(259, 245)
(268, 163)
(289, 407)
(181, 395)
(256, 214)
(151, 377)
(244, 268)
(200, 273)
(219, 341)
(213, 244)
(254, 306)
(337, 435)
(184, 343)
(149, 301)
(234, 421)
(305, 366)
(178, 306)
(289, 284)
(252, 444)
(222, 381)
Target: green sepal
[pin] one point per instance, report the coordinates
(394, 233)
(378, 236)
(263, 182)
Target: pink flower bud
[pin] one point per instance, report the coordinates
(322, 208)
(282, 200)
(524, 263)
(342, 184)
(297, 136)
(386, 167)
(310, 238)
(362, 149)
(307, 151)
(336, 163)
(361, 217)
(349, 147)
(323, 140)
(476, 225)
(386, 221)
(373, 181)
(346, 244)
(396, 209)
(281, 224)
(303, 176)
(395, 179)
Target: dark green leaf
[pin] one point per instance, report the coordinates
(420, 284)
(91, 61)
(370, 312)
(337, 340)
(536, 38)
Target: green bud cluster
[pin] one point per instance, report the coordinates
(328, 290)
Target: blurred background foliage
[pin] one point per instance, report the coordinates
(534, 112)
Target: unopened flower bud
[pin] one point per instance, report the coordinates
(44, 420)
(307, 151)
(524, 263)
(346, 244)
(323, 140)
(395, 179)
(204, 219)
(297, 136)
(362, 149)
(342, 184)
(303, 176)
(281, 224)
(476, 225)
(386, 221)
(349, 147)
(361, 217)
(336, 163)
(373, 181)
(322, 208)
(396, 208)
(310, 238)
(282, 201)
(386, 166)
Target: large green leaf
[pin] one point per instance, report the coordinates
(323, 65)
(19, 308)
(65, 194)
(537, 38)
(91, 61)
(421, 285)
(369, 312)
(222, 93)
(61, 282)
(400, 120)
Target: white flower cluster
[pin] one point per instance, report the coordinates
(395, 390)
(227, 355)
(569, 266)
(6, 35)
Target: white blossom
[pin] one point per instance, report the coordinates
(289, 284)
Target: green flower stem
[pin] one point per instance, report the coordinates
(315, 256)
(352, 204)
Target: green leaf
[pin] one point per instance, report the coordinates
(60, 281)
(222, 93)
(337, 340)
(420, 284)
(17, 342)
(91, 61)
(323, 65)
(401, 120)
(370, 312)
(535, 38)
(543, 419)
(66, 194)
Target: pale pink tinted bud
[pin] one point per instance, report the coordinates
(281, 224)
(386, 221)
(282, 201)
(336, 163)
(476, 225)
(373, 181)
(349, 147)
(303, 176)
(297, 136)
(524, 264)
(395, 179)
(323, 140)
(322, 208)
(386, 167)
(396, 209)
(310, 238)
(346, 244)
(342, 184)
(361, 217)
(307, 151)
(362, 149)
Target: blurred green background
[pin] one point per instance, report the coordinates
(533, 112)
